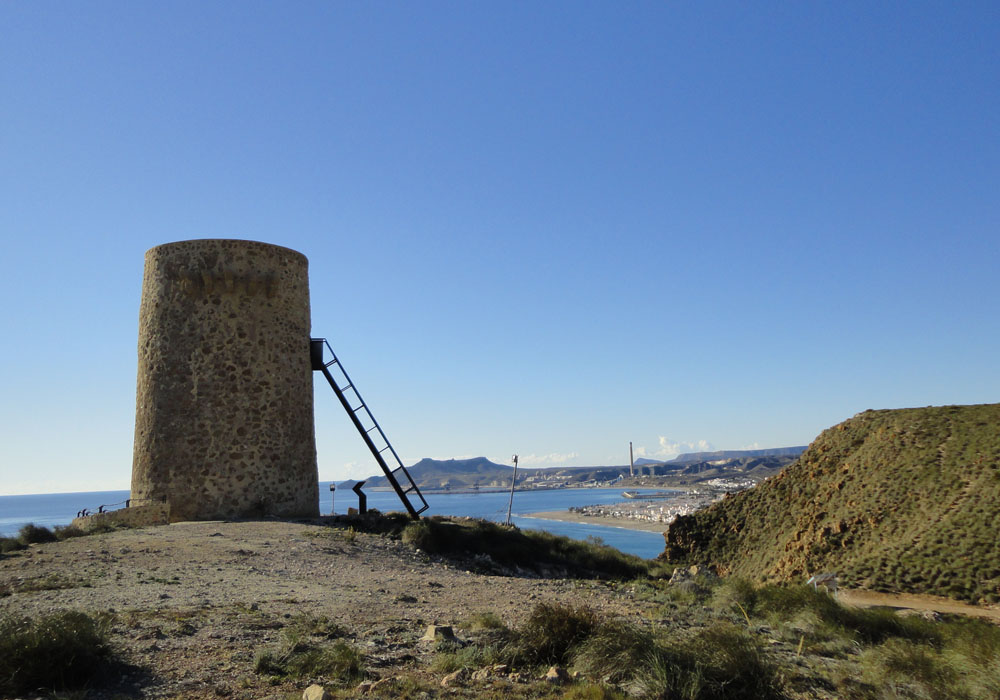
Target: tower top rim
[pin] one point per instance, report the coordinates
(240, 242)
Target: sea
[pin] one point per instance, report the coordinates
(54, 509)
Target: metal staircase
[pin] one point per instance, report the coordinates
(371, 432)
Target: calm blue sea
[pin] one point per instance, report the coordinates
(60, 508)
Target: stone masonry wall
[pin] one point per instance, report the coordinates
(137, 516)
(224, 400)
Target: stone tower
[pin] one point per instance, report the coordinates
(224, 403)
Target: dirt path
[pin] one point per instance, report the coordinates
(903, 601)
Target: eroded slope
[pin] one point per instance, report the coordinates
(894, 500)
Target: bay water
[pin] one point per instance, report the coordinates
(54, 509)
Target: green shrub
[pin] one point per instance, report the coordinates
(911, 669)
(298, 658)
(420, 535)
(486, 621)
(976, 640)
(784, 601)
(527, 549)
(873, 625)
(57, 651)
(65, 532)
(721, 662)
(51, 582)
(35, 534)
(588, 691)
(551, 632)
(612, 652)
(10, 544)
(339, 660)
(735, 595)
(867, 625)
(472, 656)
(315, 626)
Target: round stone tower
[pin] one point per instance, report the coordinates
(224, 404)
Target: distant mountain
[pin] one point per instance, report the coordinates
(692, 457)
(894, 500)
(689, 457)
(454, 473)
(479, 472)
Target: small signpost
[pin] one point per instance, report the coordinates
(362, 497)
(513, 480)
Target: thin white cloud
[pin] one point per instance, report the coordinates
(669, 449)
(355, 470)
(550, 460)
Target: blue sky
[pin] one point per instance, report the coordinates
(544, 228)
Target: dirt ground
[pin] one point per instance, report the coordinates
(193, 602)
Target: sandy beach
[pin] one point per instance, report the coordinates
(625, 523)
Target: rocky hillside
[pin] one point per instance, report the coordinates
(895, 500)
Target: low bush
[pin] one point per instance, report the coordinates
(59, 651)
(297, 657)
(866, 625)
(552, 632)
(720, 662)
(315, 626)
(51, 582)
(485, 621)
(521, 549)
(65, 532)
(589, 691)
(735, 595)
(374, 521)
(901, 668)
(10, 544)
(473, 656)
(35, 534)
(962, 664)
(613, 652)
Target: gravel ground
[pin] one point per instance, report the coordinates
(193, 602)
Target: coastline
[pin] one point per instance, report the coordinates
(623, 523)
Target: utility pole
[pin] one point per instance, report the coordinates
(512, 481)
(631, 467)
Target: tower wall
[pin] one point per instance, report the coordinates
(224, 402)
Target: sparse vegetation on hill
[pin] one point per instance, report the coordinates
(896, 500)
(493, 548)
(36, 534)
